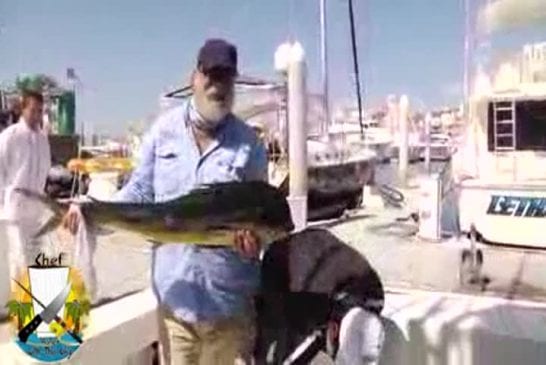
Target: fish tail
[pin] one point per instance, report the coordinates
(57, 209)
(51, 224)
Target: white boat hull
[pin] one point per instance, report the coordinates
(375, 139)
(512, 214)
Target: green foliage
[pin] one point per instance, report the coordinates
(76, 310)
(40, 82)
(20, 310)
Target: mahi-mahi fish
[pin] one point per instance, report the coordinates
(207, 215)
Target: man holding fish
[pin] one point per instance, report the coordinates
(205, 293)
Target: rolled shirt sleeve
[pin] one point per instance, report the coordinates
(140, 187)
(257, 164)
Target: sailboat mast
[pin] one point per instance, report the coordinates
(355, 61)
(466, 60)
(324, 68)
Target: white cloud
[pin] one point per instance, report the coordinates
(509, 14)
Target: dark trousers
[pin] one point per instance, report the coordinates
(284, 320)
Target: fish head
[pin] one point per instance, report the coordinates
(275, 211)
(274, 234)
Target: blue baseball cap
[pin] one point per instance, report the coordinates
(217, 54)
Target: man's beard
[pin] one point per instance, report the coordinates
(212, 112)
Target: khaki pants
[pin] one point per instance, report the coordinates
(228, 341)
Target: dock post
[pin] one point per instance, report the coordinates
(297, 136)
(403, 143)
(428, 120)
(430, 208)
(392, 115)
(282, 59)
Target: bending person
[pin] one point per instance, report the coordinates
(318, 294)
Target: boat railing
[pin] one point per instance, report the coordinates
(522, 71)
(534, 63)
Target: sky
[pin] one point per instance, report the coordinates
(128, 52)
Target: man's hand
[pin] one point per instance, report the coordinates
(72, 218)
(247, 244)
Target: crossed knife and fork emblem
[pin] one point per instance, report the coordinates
(48, 314)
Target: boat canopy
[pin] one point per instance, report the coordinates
(506, 134)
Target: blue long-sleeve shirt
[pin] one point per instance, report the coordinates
(197, 283)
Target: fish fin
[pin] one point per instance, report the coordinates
(53, 222)
(42, 198)
(231, 183)
(103, 231)
(155, 243)
(50, 225)
(94, 200)
(32, 194)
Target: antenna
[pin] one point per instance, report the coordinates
(290, 37)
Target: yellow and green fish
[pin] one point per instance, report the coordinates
(207, 215)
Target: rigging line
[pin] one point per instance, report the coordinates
(77, 180)
(355, 62)
(324, 67)
(466, 52)
(290, 35)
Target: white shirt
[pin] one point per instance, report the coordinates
(361, 337)
(25, 160)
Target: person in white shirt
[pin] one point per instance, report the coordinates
(25, 160)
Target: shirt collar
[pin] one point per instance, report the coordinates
(193, 117)
(24, 125)
(219, 134)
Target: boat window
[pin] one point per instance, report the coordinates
(531, 125)
(527, 134)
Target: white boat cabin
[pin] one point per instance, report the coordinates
(502, 162)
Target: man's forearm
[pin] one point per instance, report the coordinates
(134, 191)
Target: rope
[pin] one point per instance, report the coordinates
(391, 196)
(395, 198)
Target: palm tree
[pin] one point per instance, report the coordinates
(76, 310)
(39, 82)
(21, 310)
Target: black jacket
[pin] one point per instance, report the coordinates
(300, 276)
